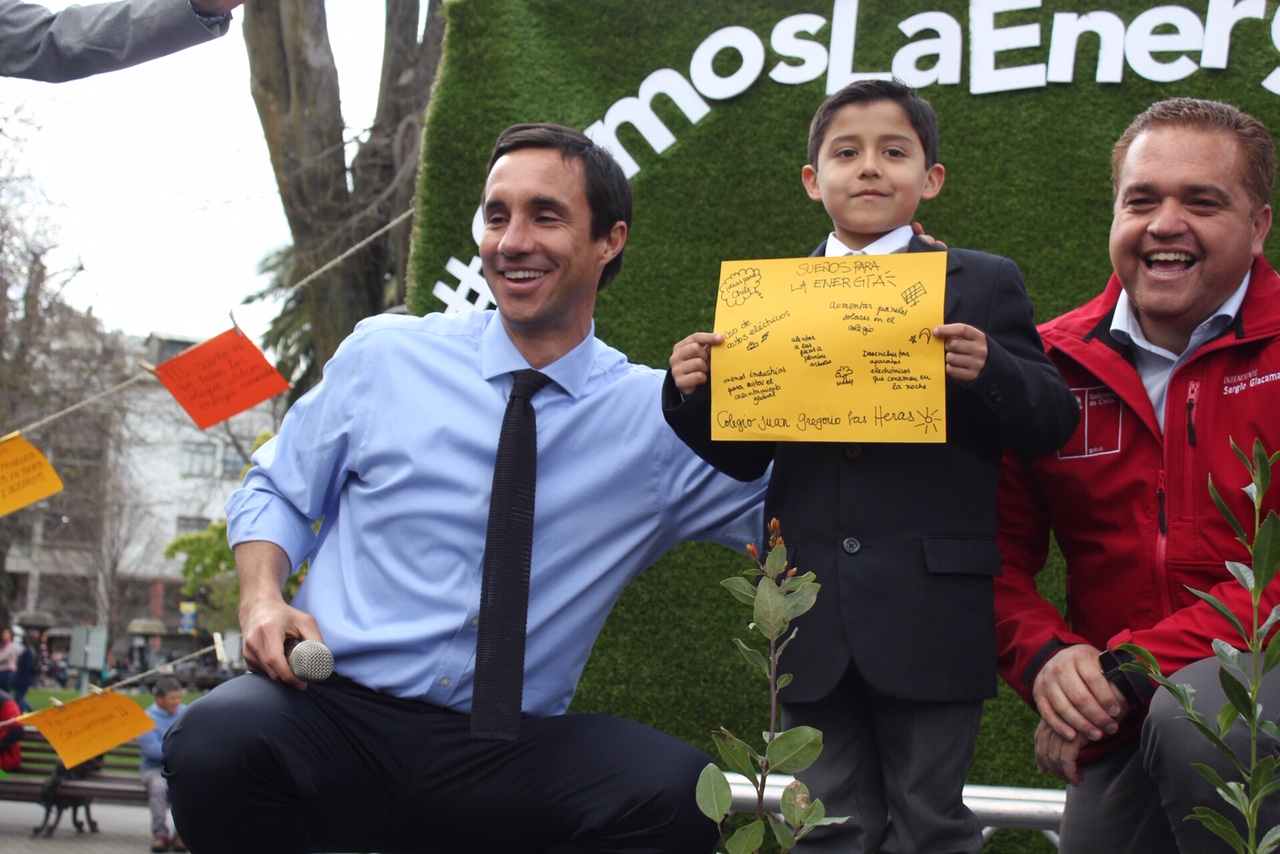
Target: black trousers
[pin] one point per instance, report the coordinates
(256, 766)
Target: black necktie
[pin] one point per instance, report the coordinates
(498, 692)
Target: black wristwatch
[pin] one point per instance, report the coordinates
(1116, 676)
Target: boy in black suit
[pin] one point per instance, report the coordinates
(896, 658)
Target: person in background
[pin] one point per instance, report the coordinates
(8, 660)
(10, 735)
(164, 712)
(80, 41)
(24, 676)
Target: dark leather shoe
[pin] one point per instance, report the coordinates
(160, 843)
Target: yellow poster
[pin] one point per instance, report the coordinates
(831, 349)
(84, 728)
(25, 475)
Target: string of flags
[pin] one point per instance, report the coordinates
(211, 381)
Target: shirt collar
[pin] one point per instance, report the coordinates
(894, 241)
(1125, 327)
(498, 356)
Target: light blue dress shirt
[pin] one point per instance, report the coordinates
(394, 450)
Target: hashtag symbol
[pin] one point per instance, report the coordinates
(470, 281)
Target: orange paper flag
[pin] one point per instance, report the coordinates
(25, 475)
(84, 728)
(222, 377)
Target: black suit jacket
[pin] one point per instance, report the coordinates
(902, 537)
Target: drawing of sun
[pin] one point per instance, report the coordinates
(929, 420)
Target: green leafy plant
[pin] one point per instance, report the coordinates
(777, 595)
(1241, 678)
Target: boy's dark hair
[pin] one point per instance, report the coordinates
(165, 685)
(1255, 142)
(919, 112)
(608, 192)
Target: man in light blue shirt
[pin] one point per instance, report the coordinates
(393, 455)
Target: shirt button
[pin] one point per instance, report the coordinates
(851, 545)
(475, 624)
(444, 683)
(852, 452)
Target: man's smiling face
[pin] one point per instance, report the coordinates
(1185, 229)
(539, 257)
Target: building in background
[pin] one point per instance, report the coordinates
(137, 472)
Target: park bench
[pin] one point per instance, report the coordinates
(997, 807)
(111, 777)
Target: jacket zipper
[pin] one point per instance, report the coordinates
(1193, 391)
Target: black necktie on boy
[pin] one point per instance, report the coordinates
(498, 693)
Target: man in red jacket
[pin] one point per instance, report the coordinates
(1177, 357)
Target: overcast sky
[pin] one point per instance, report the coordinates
(159, 181)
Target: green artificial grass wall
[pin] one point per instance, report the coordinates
(1027, 177)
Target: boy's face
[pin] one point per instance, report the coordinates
(871, 172)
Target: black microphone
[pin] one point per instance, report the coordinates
(310, 660)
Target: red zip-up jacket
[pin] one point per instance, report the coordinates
(1129, 507)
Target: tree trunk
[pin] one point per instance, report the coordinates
(295, 86)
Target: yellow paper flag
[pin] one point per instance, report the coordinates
(92, 725)
(25, 475)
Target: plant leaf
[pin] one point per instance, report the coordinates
(753, 657)
(801, 599)
(746, 839)
(1237, 694)
(776, 563)
(795, 581)
(794, 750)
(1221, 609)
(1264, 630)
(715, 798)
(794, 803)
(1269, 841)
(770, 613)
(1229, 656)
(1261, 467)
(1242, 572)
(1266, 550)
(1226, 512)
(1226, 717)
(737, 755)
(786, 839)
(1215, 822)
(744, 591)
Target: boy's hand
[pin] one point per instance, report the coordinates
(691, 360)
(966, 348)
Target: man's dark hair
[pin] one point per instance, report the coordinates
(608, 192)
(166, 684)
(919, 112)
(1255, 142)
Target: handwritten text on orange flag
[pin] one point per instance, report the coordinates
(25, 475)
(220, 378)
(84, 728)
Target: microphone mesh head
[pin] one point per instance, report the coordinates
(311, 661)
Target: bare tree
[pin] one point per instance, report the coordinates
(330, 205)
